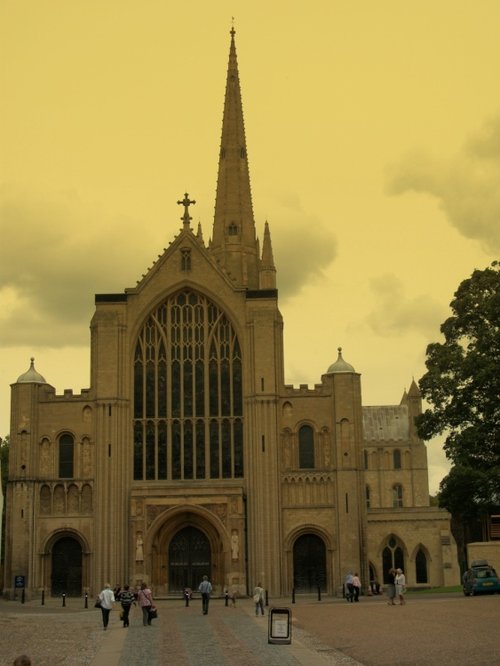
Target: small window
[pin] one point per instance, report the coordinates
(397, 496)
(232, 230)
(66, 456)
(306, 447)
(365, 458)
(185, 260)
(367, 496)
(396, 459)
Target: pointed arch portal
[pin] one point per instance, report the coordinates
(66, 572)
(309, 564)
(189, 558)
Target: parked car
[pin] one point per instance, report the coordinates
(481, 577)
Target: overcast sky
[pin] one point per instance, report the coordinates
(373, 135)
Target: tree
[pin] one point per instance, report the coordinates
(462, 385)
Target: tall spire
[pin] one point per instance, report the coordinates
(234, 241)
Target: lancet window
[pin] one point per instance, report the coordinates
(188, 404)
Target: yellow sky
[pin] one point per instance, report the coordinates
(373, 132)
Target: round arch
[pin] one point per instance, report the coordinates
(65, 567)
(207, 528)
(309, 560)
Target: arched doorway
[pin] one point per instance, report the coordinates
(189, 559)
(309, 564)
(66, 573)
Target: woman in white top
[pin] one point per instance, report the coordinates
(400, 581)
(107, 599)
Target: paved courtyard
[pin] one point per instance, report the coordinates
(429, 630)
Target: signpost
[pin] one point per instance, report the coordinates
(280, 626)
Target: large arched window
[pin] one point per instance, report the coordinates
(66, 456)
(392, 557)
(306, 447)
(188, 403)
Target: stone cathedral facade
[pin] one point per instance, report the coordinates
(189, 455)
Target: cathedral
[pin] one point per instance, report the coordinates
(188, 455)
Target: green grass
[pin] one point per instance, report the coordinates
(437, 590)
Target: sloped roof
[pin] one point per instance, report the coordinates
(388, 422)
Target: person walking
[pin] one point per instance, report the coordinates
(356, 586)
(206, 589)
(258, 597)
(349, 587)
(391, 586)
(400, 581)
(107, 599)
(145, 599)
(127, 598)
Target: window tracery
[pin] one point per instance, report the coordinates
(188, 404)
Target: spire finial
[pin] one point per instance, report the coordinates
(186, 202)
(233, 31)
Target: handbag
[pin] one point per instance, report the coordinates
(97, 603)
(256, 598)
(153, 613)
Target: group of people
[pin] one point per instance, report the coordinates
(143, 597)
(352, 587)
(396, 587)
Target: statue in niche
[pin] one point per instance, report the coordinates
(139, 551)
(235, 545)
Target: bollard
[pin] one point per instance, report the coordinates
(267, 598)
(64, 600)
(86, 600)
(186, 596)
(43, 597)
(319, 593)
(22, 596)
(226, 603)
(293, 595)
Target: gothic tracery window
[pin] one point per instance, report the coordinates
(188, 405)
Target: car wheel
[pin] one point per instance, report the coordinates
(473, 593)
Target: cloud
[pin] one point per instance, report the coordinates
(57, 253)
(302, 246)
(466, 185)
(394, 313)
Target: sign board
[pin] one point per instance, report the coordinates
(19, 582)
(280, 626)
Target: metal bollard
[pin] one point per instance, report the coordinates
(267, 598)
(186, 596)
(226, 597)
(64, 599)
(319, 593)
(293, 595)
(22, 596)
(43, 597)
(86, 600)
